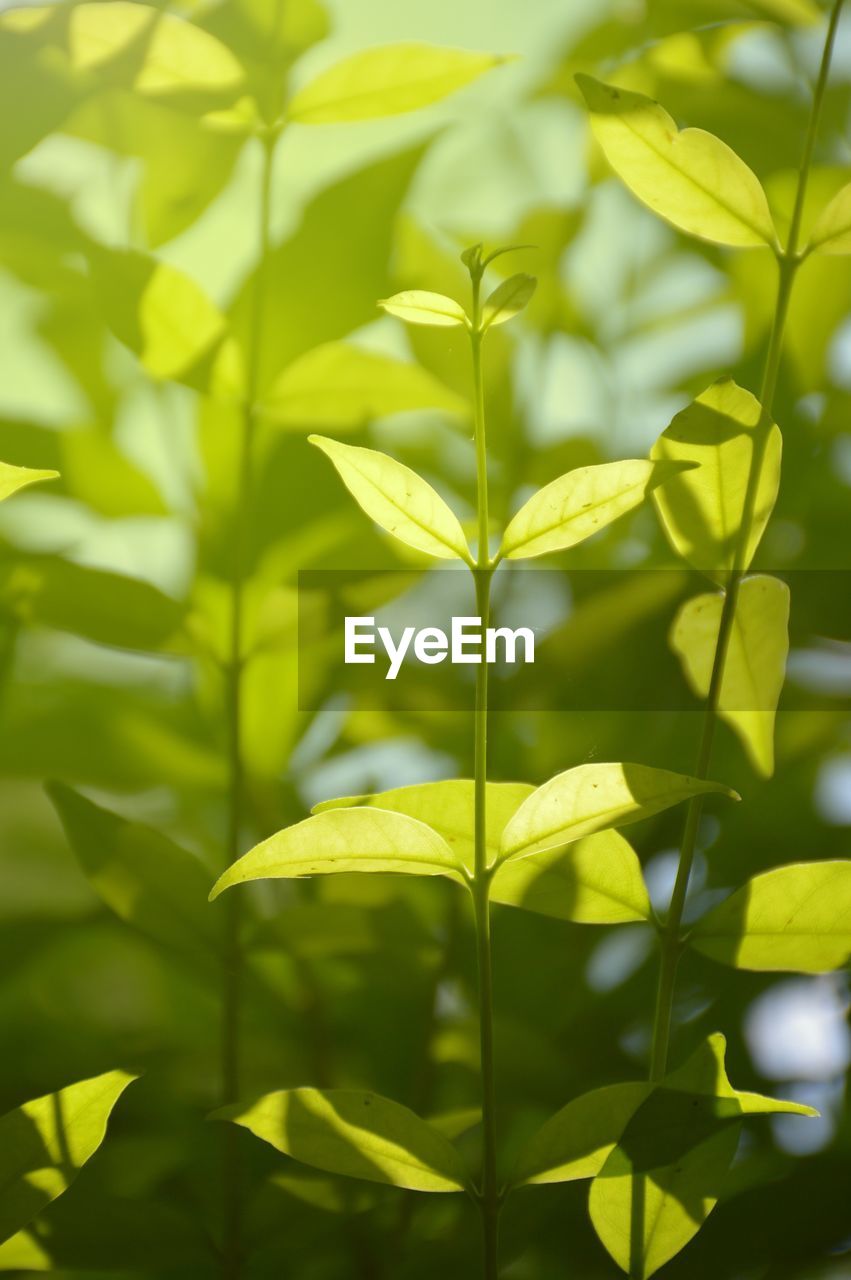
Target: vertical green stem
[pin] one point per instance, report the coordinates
(232, 942)
(482, 573)
(789, 260)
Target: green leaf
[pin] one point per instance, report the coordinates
(169, 55)
(576, 1142)
(702, 509)
(45, 1142)
(664, 1176)
(447, 807)
(14, 478)
(398, 500)
(359, 839)
(420, 306)
(689, 177)
(358, 1134)
(832, 231)
(596, 880)
(795, 919)
(339, 385)
(164, 317)
(575, 506)
(508, 299)
(143, 877)
(593, 797)
(387, 81)
(755, 665)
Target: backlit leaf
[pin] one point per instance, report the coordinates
(341, 385)
(508, 299)
(386, 81)
(755, 665)
(596, 880)
(689, 177)
(361, 839)
(397, 499)
(420, 306)
(14, 478)
(358, 1134)
(576, 1142)
(592, 797)
(832, 231)
(795, 919)
(723, 431)
(44, 1144)
(575, 506)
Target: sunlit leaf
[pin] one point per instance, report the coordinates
(397, 499)
(14, 478)
(358, 839)
(341, 385)
(141, 875)
(795, 918)
(689, 177)
(508, 299)
(575, 506)
(592, 797)
(724, 430)
(386, 81)
(44, 1143)
(358, 1134)
(832, 231)
(596, 880)
(169, 55)
(168, 321)
(576, 1142)
(419, 306)
(755, 665)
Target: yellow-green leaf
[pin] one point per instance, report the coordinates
(689, 177)
(755, 665)
(357, 1134)
(832, 231)
(508, 299)
(360, 839)
(14, 478)
(168, 321)
(387, 81)
(576, 1142)
(339, 385)
(795, 919)
(397, 499)
(575, 506)
(593, 797)
(723, 431)
(44, 1144)
(596, 880)
(421, 306)
(170, 55)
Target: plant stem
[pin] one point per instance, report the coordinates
(489, 1200)
(232, 946)
(789, 260)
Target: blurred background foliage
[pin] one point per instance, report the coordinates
(113, 600)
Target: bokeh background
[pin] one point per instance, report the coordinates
(113, 591)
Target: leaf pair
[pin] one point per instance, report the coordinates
(658, 1155)
(578, 803)
(436, 310)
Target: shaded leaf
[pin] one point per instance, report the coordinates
(795, 919)
(397, 499)
(755, 665)
(689, 177)
(358, 1134)
(420, 306)
(723, 431)
(387, 81)
(576, 1142)
(508, 299)
(346, 840)
(592, 797)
